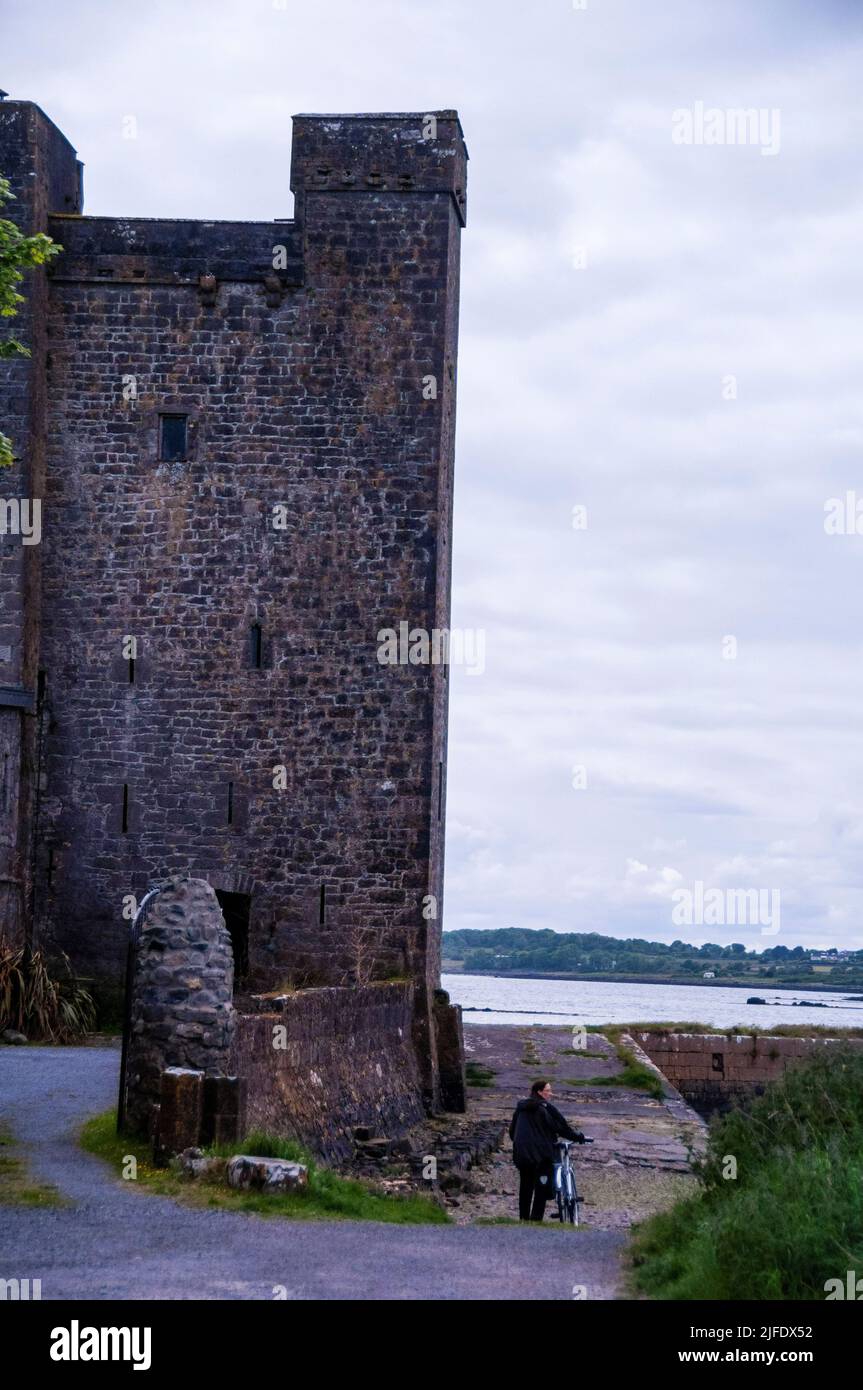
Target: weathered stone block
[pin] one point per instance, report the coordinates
(180, 1109)
(266, 1174)
(347, 1061)
(224, 1110)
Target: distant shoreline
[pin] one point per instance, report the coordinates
(755, 987)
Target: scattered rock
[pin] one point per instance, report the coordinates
(395, 1187)
(382, 1149)
(457, 1182)
(14, 1039)
(266, 1174)
(374, 1148)
(193, 1164)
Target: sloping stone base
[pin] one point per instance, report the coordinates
(321, 1062)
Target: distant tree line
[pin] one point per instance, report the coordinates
(521, 948)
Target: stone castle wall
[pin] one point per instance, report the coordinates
(43, 174)
(301, 353)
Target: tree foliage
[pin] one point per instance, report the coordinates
(496, 950)
(17, 254)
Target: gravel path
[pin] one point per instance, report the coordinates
(116, 1242)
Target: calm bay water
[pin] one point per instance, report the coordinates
(601, 1001)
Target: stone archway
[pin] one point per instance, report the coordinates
(236, 892)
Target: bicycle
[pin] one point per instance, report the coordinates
(565, 1189)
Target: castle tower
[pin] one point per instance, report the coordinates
(243, 435)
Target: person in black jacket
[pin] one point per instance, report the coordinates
(535, 1127)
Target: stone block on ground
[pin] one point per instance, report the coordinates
(266, 1174)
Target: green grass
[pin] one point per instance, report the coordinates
(478, 1075)
(792, 1218)
(17, 1188)
(635, 1076)
(746, 1030)
(651, 1028)
(327, 1197)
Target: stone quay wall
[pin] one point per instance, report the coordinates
(713, 1070)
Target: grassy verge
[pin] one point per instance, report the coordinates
(328, 1195)
(780, 1208)
(17, 1188)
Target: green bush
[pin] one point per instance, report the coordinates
(476, 1074)
(792, 1218)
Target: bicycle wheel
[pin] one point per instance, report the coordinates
(576, 1202)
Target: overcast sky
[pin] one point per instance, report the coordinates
(614, 281)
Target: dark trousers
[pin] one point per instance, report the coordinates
(535, 1188)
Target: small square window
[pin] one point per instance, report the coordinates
(173, 438)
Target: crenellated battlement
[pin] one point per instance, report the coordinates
(163, 251)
